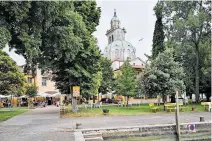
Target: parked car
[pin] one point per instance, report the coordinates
(116, 101)
(106, 100)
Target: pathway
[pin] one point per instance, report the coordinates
(41, 124)
(147, 119)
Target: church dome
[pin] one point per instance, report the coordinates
(120, 50)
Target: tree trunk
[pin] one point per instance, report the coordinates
(197, 76)
(164, 102)
(127, 100)
(208, 95)
(93, 98)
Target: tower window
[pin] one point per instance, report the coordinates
(112, 38)
(128, 53)
(117, 53)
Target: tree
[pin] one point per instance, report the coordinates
(163, 76)
(189, 22)
(76, 57)
(97, 79)
(89, 12)
(158, 38)
(205, 71)
(11, 79)
(107, 76)
(31, 91)
(54, 35)
(126, 82)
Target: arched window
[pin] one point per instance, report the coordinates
(117, 53)
(128, 53)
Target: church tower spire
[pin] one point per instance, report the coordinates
(115, 32)
(115, 13)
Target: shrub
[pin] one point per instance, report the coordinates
(105, 111)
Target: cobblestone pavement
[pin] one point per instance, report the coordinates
(44, 124)
(41, 124)
(147, 119)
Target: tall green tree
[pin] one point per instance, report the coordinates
(158, 37)
(126, 82)
(89, 12)
(163, 76)
(205, 71)
(107, 76)
(97, 79)
(189, 23)
(11, 79)
(58, 36)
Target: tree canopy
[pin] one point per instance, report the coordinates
(188, 26)
(57, 35)
(107, 83)
(158, 37)
(11, 79)
(126, 81)
(163, 76)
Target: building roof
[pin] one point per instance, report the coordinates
(138, 66)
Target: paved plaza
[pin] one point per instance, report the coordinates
(44, 124)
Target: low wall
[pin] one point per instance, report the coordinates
(202, 131)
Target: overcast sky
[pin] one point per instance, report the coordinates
(137, 16)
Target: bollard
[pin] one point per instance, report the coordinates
(78, 125)
(140, 129)
(202, 119)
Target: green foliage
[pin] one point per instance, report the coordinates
(107, 76)
(57, 35)
(4, 36)
(97, 79)
(89, 12)
(11, 79)
(75, 59)
(158, 37)
(126, 82)
(163, 76)
(31, 91)
(188, 24)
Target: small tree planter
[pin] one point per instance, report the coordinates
(105, 111)
(193, 108)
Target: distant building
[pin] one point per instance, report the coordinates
(118, 49)
(42, 80)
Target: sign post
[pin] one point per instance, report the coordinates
(76, 93)
(177, 117)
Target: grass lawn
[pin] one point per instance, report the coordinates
(5, 114)
(114, 111)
